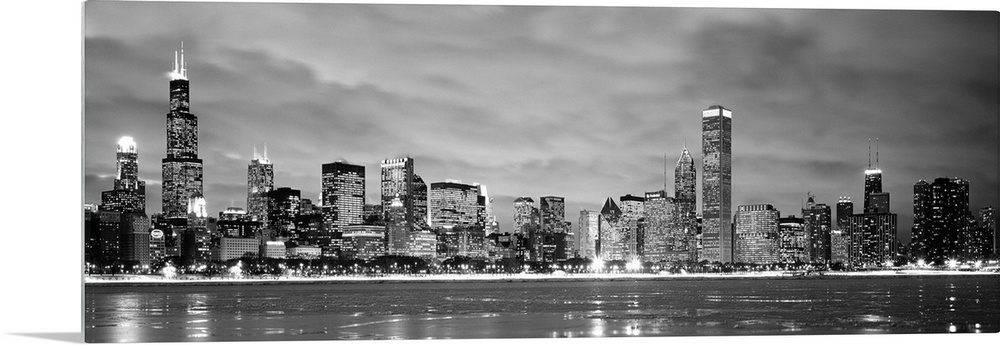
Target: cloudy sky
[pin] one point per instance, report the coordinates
(579, 102)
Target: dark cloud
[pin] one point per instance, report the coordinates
(580, 102)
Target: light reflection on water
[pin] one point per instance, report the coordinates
(578, 309)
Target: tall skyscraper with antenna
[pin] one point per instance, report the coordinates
(260, 181)
(717, 184)
(182, 169)
(872, 234)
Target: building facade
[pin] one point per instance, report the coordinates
(757, 237)
(717, 177)
(343, 186)
(182, 169)
(260, 181)
(817, 217)
(453, 203)
(793, 240)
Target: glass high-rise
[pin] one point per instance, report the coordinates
(399, 180)
(817, 218)
(525, 213)
(129, 193)
(453, 203)
(757, 239)
(685, 201)
(343, 198)
(717, 177)
(182, 169)
(260, 181)
(941, 220)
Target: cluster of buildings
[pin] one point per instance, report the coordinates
(451, 218)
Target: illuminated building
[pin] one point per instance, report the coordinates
(632, 208)
(845, 208)
(717, 177)
(343, 198)
(586, 234)
(283, 207)
(260, 181)
(873, 233)
(757, 236)
(817, 218)
(304, 252)
(684, 225)
(552, 213)
(612, 242)
(129, 193)
(109, 224)
(988, 224)
(182, 169)
(659, 238)
(399, 180)
(273, 249)
(91, 233)
(397, 231)
(525, 213)
(792, 240)
(363, 242)
(235, 222)
(134, 239)
(196, 243)
(839, 246)
(453, 203)
(422, 244)
(941, 222)
(157, 245)
(235, 248)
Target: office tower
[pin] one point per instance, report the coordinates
(396, 229)
(260, 181)
(453, 203)
(845, 209)
(817, 222)
(661, 240)
(988, 223)
(586, 234)
(343, 186)
(839, 246)
(632, 208)
(792, 240)
(873, 239)
(363, 242)
(134, 239)
(524, 212)
(282, 208)
(157, 246)
(490, 224)
(873, 233)
(757, 237)
(685, 202)
(941, 230)
(399, 180)
(234, 222)
(552, 212)
(611, 243)
(717, 177)
(196, 240)
(420, 213)
(91, 234)
(421, 244)
(182, 169)
(129, 193)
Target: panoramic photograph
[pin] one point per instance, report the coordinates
(286, 171)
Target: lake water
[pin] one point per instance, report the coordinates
(543, 309)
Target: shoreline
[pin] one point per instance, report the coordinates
(135, 281)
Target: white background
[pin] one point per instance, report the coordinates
(41, 174)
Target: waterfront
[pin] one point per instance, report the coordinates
(541, 309)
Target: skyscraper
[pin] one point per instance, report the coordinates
(524, 213)
(343, 198)
(817, 222)
(283, 206)
(717, 177)
(182, 169)
(260, 181)
(757, 239)
(129, 193)
(399, 180)
(941, 220)
(633, 208)
(845, 208)
(552, 212)
(658, 237)
(586, 234)
(988, 222)
(612, 243)
(793, 240)
(684, 227)
(873, 233)
(453, 203)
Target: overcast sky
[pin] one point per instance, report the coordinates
(579, 102)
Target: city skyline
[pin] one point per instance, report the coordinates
(537, 159)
